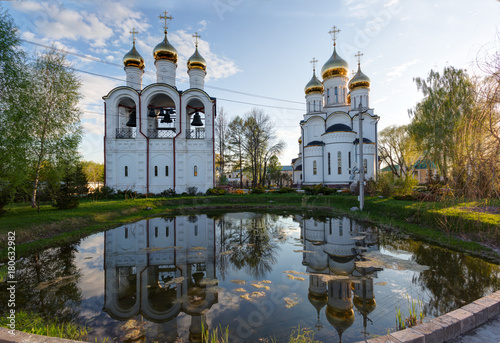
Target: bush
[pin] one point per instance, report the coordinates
(258, 190)
(238, 191)
(192, 190)
(286, 190)
(318, 189)
(216, 191)
(168, 193)
(390, 185)
(104, 192)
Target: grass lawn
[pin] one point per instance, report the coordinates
(452, 224)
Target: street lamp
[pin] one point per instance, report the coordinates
(361, 199)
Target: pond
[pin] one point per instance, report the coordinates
(259, 275)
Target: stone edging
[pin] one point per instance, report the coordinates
(23, 337)
(448, 326)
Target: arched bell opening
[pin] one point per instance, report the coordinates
(127, 118)
(162, 115)
(195, 112)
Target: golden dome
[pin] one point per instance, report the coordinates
(341, 320)
(335, 66)
(314, 85)
(165, 51)
(359, 80)
(366, 308)
(196, 61)
(133, 59)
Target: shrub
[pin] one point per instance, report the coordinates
(192, 190)
(238, 191)
(168, 193)
(216, 191)
(258, 190)
(286, 190)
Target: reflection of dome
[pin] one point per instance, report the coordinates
(335, 66)
(165, 51)
(133, 59)
(314, 85)
(196, 61)
(317, 300)
(367, 308)
(359, 80)
(341, 320)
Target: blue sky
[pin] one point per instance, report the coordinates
(263, 48)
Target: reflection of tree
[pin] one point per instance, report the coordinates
(47, 284)
(453, 279)
(252, 242)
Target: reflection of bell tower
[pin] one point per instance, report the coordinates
(364, 298)
(318, 295)
(339, 310)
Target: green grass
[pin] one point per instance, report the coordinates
(444, 223)
(33, 323)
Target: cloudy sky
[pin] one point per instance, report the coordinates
(258, 51)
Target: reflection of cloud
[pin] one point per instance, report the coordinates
(93, 283)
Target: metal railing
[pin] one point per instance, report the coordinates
(125, 133)
(155, 133)
(195, 134)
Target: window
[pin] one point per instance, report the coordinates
(365, 165)
(156, 231)
(156, 170)
(315, 168)
(195, 170)
(167, 231)
(196, 230)
(166, 170)
(344, 96)
(329, 160)
(126, 171)
(339, 162)
(341, 228)
(328, 96)
(349, 157)
(354, 102)
(126, 233)
(309, 106)
(336, 95)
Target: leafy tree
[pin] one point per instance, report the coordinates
(397, 149)
(220, 140)
(51, 114)
(274, 170)
(93, 171)
(235, 138)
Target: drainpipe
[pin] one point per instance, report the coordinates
(177, 135)
(147, 144)
(303, 158)
(214, 109)
(104, 141)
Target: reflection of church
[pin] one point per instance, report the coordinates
(332, 248)
(159, 137)
(158, 268)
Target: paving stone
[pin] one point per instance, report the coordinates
(409, 336)
(495, 295)
(466, 318)
(383, 339)
(480, 313)
(491, 304)
(451, 326)
(433, 332)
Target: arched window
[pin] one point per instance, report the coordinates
(156, 231)
(329, 164)
(166, 170)
(156, 170)
(126, 171)
(365, 165)
(315, 168)
(196, 230)
(126, 233)
(341, 228)
(167, 231)
(349, 157)
(328, 96)
(195, 170)
(339, 162)
(336, 95)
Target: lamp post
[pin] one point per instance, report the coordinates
(361, 162)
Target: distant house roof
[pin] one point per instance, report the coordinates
(313, 143)
(388, 168)
(424, 165)
(338, 127)
(286, 168)
(365, 140)
(294, 159)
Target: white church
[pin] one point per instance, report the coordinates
(159, 137)
(329, 151)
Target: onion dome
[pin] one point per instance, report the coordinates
(133, 59)
(335, 66)
(364, 307)
(340, 319)
(314, 85)
(165, 51)
(359, 80)
(196, 61)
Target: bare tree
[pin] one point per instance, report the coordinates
(397, 150)
(220, 140)
(235, 138)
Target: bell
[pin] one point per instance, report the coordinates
(131, 120)
(166, 116)
(152, 113)
(197, 120)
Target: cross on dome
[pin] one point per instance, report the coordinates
(313, 62)
(196, 36)
(358, 56)
(134, 32)
(334, 32)
(165, 17)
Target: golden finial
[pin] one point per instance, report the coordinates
(165, 17)
(133, 32)
(334, 32)
(358, 56)
(196, 36)
(313, 62)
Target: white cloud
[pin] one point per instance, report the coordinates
(397, 72)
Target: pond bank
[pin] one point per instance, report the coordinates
(447, 224)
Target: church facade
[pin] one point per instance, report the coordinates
(329, 149)
(159, 137)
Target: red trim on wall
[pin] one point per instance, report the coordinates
(147, 143)
(177, 135)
